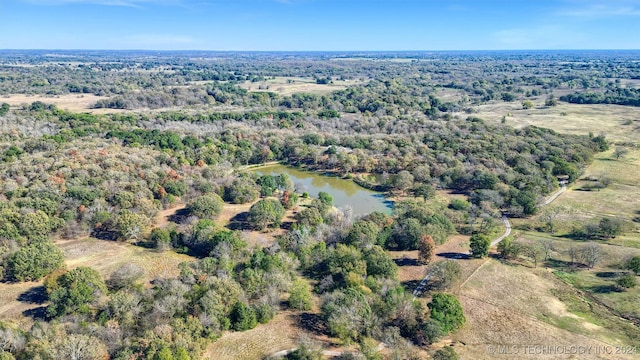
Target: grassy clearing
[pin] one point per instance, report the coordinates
(513, 305)
(69, 102)
(291, 85)
(621, 199)
(279, 334)
(102, 255)
(566, 118)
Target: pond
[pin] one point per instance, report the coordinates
(345, 192)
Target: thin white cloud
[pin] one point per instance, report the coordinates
(603, 10)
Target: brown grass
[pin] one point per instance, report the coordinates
(514, 306)
(279, 334)
(101, 255)
(281, 86)
(621, 199)
(69, 102)
(565, 118)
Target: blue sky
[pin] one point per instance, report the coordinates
(299, 25)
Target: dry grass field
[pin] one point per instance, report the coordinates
(621, 199)
(102, 255)
(566, 118)
(513, 306)
(288, 86)
(281, 333)
(69, 102)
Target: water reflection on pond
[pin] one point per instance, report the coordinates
(344, 192)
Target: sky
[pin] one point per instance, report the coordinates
(320, 25)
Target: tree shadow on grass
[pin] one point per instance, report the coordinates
(604, 289)
(180, 216)
(104, 234)
(404, 261)
(35, 295)
(454, 256)
(312, 323)
(39, 313)
(239, 222)
(411, 285)
(608, 274)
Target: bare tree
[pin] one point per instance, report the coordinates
(591, 254)
(620, 152)
(547, 247)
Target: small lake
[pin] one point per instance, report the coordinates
(345, 192)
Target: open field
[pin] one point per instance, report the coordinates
(566, 118)
(69, 102)
(536, 311)
(621, 199)
(279, 334)
(288, 86)
(102, 255)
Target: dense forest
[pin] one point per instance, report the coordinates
(192, 125)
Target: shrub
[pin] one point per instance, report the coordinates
(243, 317)
(627, 281)
(479, 245)
(446, 309)
(459, 204)
(35, 261)
(160, 239)
(446, 353)
(75, 291)
(300, 296)
(266, 212)
(634, 265)
(206, 206)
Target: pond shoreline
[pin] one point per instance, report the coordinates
(345, 190)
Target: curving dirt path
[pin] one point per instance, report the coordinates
(162, 219)
(555, 195)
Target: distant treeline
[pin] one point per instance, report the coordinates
(618, 96)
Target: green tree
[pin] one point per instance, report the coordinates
(130, 225)
(300, 296)
(509, 249)
(379, 263)
(446, 353)
(206, 206)
(160, 239)
(407, 233)
(403, 180)
(75, 291)
(243, 317)
(35, 261)
(527, 104)
(266, 212)
(309, 217)
(4, 109)
(627, 281)
(446, 309)
(241, 191)
(479, 245)
(444, 274)
(326, 198)
(634, 264)
(362, 234)
(425, 191)
(551, 101)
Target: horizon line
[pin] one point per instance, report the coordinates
(326, 51)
